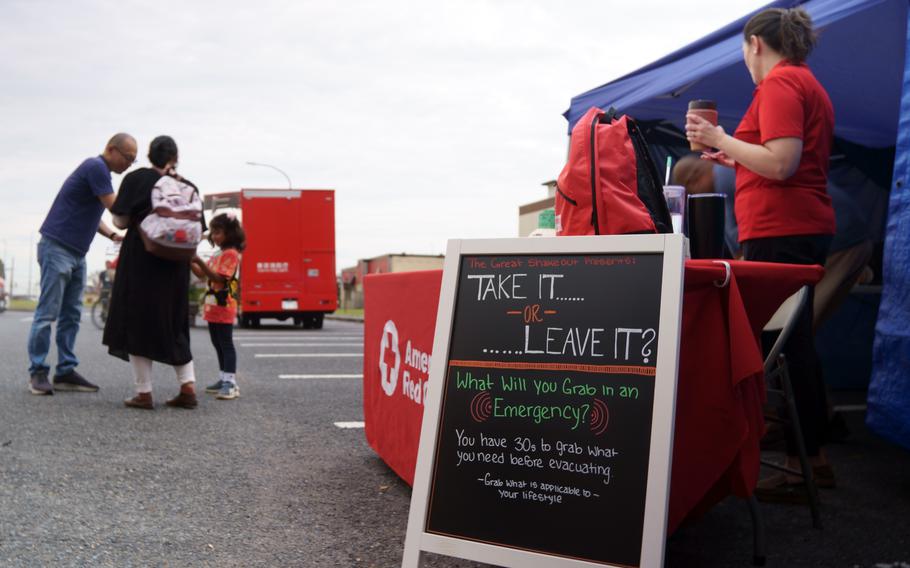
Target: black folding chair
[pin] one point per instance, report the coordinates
(777, 379)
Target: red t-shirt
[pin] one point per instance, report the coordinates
(788, 103)
(224, 263)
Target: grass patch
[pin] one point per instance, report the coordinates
(350, 312)
(22, 304)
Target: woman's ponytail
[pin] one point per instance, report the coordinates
(789, 32)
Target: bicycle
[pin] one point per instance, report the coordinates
(100, 307)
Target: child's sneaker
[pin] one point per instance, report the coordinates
(214, 388)
(229, 391)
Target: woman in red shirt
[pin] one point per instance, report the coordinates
(780, 152)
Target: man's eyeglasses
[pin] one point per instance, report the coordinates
(130, 159)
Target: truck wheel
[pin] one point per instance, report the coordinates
(254, 322)
(243, 321)
(298, 322)
(317, 321)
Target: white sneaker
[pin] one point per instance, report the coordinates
(229, 391)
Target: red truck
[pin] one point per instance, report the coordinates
(288, 267)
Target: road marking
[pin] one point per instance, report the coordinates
(301, 344)
(350, 424)
(306, 336)
(296, 338)
(320, 376)
(850, 408)
(272, 355)
(28, 319)
(301, 335)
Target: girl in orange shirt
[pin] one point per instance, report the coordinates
(220, 306)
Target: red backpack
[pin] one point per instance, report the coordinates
(609, 185)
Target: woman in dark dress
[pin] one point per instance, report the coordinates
(149, 309)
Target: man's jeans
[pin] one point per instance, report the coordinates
(62, 282)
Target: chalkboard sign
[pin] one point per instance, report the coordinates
(548, 432)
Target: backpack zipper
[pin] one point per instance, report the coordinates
(593, 179)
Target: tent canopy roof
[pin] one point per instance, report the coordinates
(859, 60)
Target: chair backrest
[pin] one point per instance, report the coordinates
(784, 320)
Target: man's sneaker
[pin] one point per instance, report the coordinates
(229, 391)
(38, 383)
(73, 381)
(214, 388)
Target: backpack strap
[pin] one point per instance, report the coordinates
(566, 197)
(230, 287)
(221, 296)
(653, 199)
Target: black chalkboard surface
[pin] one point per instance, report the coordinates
(544, 430)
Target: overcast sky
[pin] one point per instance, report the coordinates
(431, 120)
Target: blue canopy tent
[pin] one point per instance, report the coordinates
(861, 61)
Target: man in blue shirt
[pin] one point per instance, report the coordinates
(66, 234)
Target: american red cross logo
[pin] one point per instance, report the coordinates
(389, 355)
(389, 358)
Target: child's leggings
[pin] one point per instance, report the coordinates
(222, 335)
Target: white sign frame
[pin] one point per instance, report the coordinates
(673, 247)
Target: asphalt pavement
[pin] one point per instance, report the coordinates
(283, 476)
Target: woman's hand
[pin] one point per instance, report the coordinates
(197, 267)
(703, 132)
(719, 157)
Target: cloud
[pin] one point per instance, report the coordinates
(431, 120)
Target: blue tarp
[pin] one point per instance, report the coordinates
(860, 52)
(861, 60)
(889, 391)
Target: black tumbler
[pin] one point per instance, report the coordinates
(705, 222)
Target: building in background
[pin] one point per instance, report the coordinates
(534, 219)
(350, 293)
(537, 217)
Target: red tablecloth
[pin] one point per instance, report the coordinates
(719, 396)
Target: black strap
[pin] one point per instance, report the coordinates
(222, 295)
(653, 199)
(610, 114)
(566, 197)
